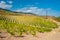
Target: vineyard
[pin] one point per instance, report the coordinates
(17, 25)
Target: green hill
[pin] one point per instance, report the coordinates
(19, 23)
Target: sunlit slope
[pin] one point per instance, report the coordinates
(35, 21)
(24, 23)
(25, 18)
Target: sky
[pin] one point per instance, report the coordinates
(38, 7)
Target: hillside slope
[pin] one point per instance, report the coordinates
(17, 24)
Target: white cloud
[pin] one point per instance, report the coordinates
(39, 11)
(10, 2)
(35, 10)
(2, 2)
(4, 5)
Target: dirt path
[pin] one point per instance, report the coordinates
(53, 35)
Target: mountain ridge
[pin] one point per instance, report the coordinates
(5, 11)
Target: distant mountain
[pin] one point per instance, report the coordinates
(9, 12)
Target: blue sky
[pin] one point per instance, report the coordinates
(35, 6)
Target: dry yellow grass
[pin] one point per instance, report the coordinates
(23, 18)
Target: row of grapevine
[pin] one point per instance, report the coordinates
(14, 28)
